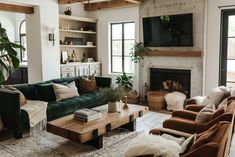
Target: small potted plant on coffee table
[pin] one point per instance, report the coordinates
(113, 95)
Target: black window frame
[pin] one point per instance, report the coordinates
(123, 46)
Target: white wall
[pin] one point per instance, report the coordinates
(212, 42)
(105, 17)
(43, 57)
(76, 8)
(11, 22)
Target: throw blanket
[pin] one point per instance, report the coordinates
(153, 144)
(36, 111)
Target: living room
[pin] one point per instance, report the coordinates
(172, 71)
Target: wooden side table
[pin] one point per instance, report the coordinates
(156, 100)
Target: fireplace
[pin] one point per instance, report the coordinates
(170, 80)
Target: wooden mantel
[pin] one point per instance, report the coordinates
(172, 53)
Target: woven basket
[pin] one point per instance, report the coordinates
(156, 100)
(133, 97)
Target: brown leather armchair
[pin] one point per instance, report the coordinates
(215, 146)
(184, 120)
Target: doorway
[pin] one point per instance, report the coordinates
(227, 53)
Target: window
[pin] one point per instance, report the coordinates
(23, 42)
(122, 40)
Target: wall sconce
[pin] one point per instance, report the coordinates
(52, 36)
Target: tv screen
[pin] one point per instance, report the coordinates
(168, 31)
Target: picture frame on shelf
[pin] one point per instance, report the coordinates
(64, 56)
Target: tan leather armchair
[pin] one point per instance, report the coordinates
(184, 120)
(215, 146)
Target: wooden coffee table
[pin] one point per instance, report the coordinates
(92, 132)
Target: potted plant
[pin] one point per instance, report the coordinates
(137, 52)
(113, 95)
(8, 55)
(127, 83)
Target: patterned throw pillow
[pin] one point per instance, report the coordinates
(65, 91)
(87, 85)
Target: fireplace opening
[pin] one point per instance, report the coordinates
(170, 80)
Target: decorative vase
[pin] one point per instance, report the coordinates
(114, 106)
(68, 11)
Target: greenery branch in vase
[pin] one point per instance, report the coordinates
(113, 95)
(8, 55)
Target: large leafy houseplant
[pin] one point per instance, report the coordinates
(8, 55)
(125, 81)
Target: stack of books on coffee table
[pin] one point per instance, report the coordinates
(87, 115)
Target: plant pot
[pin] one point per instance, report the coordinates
(115, 106)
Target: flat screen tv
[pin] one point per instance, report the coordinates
(168, 31)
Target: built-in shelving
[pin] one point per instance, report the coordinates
(78, 46)
(77, 31)
(75, 18)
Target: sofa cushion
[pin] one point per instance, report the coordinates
(70, 105)
(68, 80)
(217, 113)
(29, 91)
(65, 91)
(207, 136)
(1, 124)
(45, 92)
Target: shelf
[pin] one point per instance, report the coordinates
(75, 18)
(174, 53)
(78, 46)
(76, 31)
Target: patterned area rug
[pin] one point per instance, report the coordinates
(48, 145)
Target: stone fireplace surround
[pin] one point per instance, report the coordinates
(194, 64)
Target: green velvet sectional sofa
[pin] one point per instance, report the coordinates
(17, 120)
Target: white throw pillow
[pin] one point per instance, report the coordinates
(152, 144)
(205, 114)
(206, 101)
(223, 104)
(188, 143)
(179, 140)
(65, 91)
(233, 92)
(216, 95)
(199, 99)
(175, 100)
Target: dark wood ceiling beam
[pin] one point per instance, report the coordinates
(135, 1)
(108, 4)
(16, 8)
(70, 1)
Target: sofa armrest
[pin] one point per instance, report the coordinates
(185, 114)
(195, 108)
(160, 131)
(10, 111)
(190, 101)
(103, 82)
